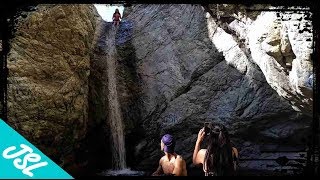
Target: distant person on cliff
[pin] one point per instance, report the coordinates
(116, 17)
(171, 163)
(220, 158)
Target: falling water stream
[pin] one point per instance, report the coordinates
(119, 166)
(115, 119)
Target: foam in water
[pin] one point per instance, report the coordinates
(122, 172)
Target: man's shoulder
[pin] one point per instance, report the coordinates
(179, 158)
(161, 159)
(180, 162)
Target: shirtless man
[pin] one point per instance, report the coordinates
(171, 163)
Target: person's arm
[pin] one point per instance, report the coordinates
(179, 167)
(198, 157)
(235, 154)
(159, 171)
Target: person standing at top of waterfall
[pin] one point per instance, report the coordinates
(171, 163)
(116, 17)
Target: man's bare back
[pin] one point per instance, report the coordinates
(171, 163)
(175, 166)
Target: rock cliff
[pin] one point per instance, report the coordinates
(49, 65)
(192, 69)
(177, 67)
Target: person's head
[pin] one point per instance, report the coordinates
(117, 11)
(168, 143)
(218, 158)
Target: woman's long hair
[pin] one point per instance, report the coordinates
(218, 159)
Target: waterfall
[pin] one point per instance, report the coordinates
(114, 113)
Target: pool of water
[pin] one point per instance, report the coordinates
(122, 172)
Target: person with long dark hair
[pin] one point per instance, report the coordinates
(219, 158)
(116, 17)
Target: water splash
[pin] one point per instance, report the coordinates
(122, 172)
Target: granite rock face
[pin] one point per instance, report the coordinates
(283, 52)
(177, 67)
(279, 42)
(191, 69)
(49, 65)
